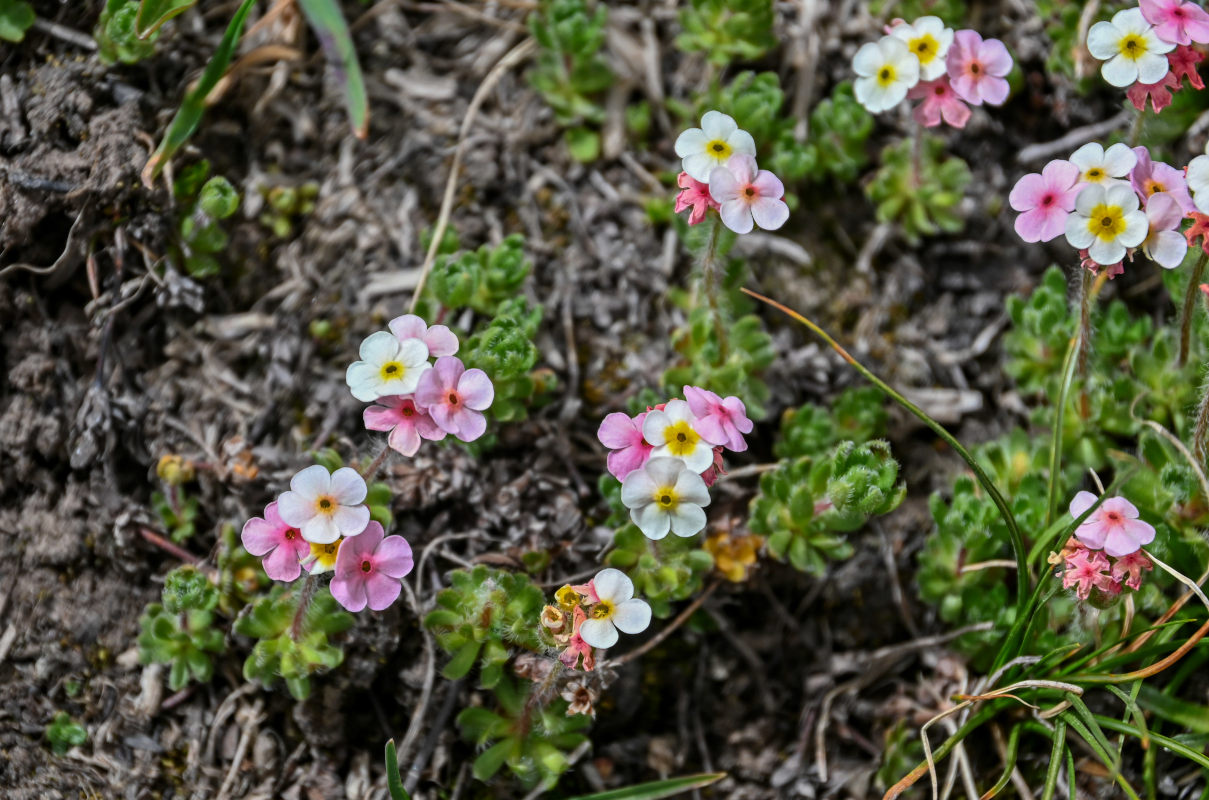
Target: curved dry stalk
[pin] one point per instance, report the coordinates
(1179, 576)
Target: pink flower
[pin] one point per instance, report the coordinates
(977, 68)
(577, 647)
(368, 569)
(455, 397)
(1149, 177)
(744, 194)
(1114, 526)
(720, 422)
(281, 545)
(1085, 571)
(694, 195)
(1164, 244)
(623, 436)
(407, 423)
(1091, 265)
(1133, 566)
(1177, 22)
(1183, 61)
(1159, 93)
(1045, 201)
(439, 340)
(939, 101)
(714, 470)
(1198, 230)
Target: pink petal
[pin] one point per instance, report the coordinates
(769, 185)
(710, 429)
(442, 417)
(723, 186)
(966, 88)
(381, 590)
(738, 414)
(470, 424)
(349, 591)
(273, 516)
(405, 439)
(1061, 175)
(1121, 506)
(430, 391)
(927, 113)
(260, 536)
(624, 461)
(1032, 224)
(476, 389)
(1163, 212)
(769, 214)
(955, 112)
(282, 564)
(994, 56)
(1054, 225)
(1027, 193)
(1082, 502)
(381, 418)
(393, 557)
(441, 341)
(743, 167)
(617, 430)
(994, 90)
(408, 326)
(736, 215)
(429, 429)
(449, 369)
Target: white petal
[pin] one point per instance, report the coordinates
(1090, 155)
(1198, 174)
(1130, 20)
(598, 633)
(363, 380)
(1103, 39)
(1168, 249)
(742, 142)
(637, 489)
(347, 486)
(717, 125)
(868, 60)
(295, 509)
(736, 215)
(699, 165)
(688, 520)
(312, 481)
(1078, 233)
(653, 426)
(691, 488)
(413, 352)
(320, 529)
(632, 616)
(653, 521)
(691, 141)
(380, 347)
(1106, 252)
(1154, 44)
(351, 520)
(1088, 198)
(1152, 68)
(678, 410)
(613, 585)
(1120, 71)
(664, 471)
(1118, 160)
(1136, 228)
(1122, 196)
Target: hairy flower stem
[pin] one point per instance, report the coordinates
(1201, 432)
(711, 278)
(1086, 297)
(539, 696)
(1189, 309)
(1135, 129)
(372, 470)
(310, 585)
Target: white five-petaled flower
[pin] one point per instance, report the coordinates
(1109, 167)
(928, 40)
(1198, 182)
(324, 505)
(615, 609)
(671, 432)
(387, 367)
(1129, 47)
(1107, 222)
(665, 495)
(712, 145)
(887, 69)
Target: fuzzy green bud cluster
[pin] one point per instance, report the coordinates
(918, 189)
(205, 201)
(481, 279)
(857, 415)
(63, 732)
(285, 204)
(180, 631)
(569, 71)
(117, 34)
(727, 30)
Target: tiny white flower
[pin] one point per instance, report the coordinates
(615, 609)
(665, 495)
(1107, 222)
(1198, 182)
(1104, 167)
(886, 70)
(671, 433)
(712, 145)
(1130, 49)
(928, 40)
(324, 505)
(387, 367)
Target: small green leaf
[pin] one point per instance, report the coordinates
(154, 13)
(329, 25)
(394, 783)
(489, 762)
(16, 17)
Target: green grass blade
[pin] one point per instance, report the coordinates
(1055, 760)
(154, 13)
(1055, 455)
(1104, 754)
(1177, 747)
(657, 789)
(1009, 764)
(1193, 716)
(329, 25)
(394, 783)
(194, 105)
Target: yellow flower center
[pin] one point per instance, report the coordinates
(666, 498)
(681, 438)
(1107, 222)
(1132, 46)
(925, 47)
(603, 610)
(567, 598)
(1094, 175)
(719, 149)
(392, 370)
(326, 505)
(325, 554)
(1152, 186)
(886, 75)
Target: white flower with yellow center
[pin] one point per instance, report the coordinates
(1104, 167)
(1130, 49)
(671, 433)
(387, 367)
(886, 69)
(1106, 222)
(712, 145)
(615, 609)
(928, 40)
(323, 557)
(665, 495)
(324, 505)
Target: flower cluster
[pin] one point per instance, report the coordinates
(1106, 551)
(923, 60)
(1148, 49)
(720, 174)
(668, 456)
(415, 399)
(1108, 203)
(589, 616)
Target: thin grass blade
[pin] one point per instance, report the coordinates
(330, 26)
(657, 789)
(394, 782)
(154, 13)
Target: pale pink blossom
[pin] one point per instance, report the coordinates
(1177, 22)
(1132, 565)
(1182, 61)
(1085, 570)
(439, 340)
(369, 568)
(940, 102)
(576, 647)
(1114, 526)
(745, 194)
(280, 544)
(1150, 177)
(978, 68)
(407, 423)
(1045, 200)
(623, 436)
(455, 397)
(1164, 244)
(719, 421)
(695, 195)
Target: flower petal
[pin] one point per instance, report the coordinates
(717, 125)
(282, 564)
(350, 520)
(394, 557)
(476, 389)
(380, 347)
(598, 633)
(687, 520)
(320, 529)
(404, 439)
(691, 488)
(690, 142)
(652, 520)
(637, 489)
(295, 509)
(1081, 502)
(259, 536)
(632, 616)
(736, 215)
(349, 592)
(769, 214)
(613, 585)
(381, 590)
(311, 482)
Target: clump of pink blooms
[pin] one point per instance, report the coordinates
(1110, 203)
(720, 175)
(1148, 49)
(1105, 554)
(947, 70)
